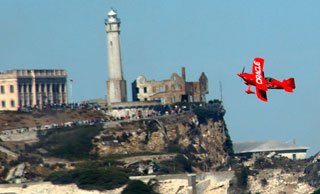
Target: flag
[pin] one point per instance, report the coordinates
(72, 81)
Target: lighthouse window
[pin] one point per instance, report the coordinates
(111, 43)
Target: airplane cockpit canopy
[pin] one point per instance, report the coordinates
(269, 79)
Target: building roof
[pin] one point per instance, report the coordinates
(112, 13)
(264, 146)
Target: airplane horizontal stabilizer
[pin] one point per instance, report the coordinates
(289, 85)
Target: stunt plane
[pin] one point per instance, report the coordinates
(264, 83)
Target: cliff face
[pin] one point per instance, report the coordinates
(204, 144)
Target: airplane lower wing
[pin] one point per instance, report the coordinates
(262, 94)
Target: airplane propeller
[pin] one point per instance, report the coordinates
(243, 69)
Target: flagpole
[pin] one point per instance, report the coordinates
(71, 93)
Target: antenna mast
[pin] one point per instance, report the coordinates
(220, 84)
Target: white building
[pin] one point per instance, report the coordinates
(21, 88)
(288, 150)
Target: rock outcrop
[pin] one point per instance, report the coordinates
(204, 144)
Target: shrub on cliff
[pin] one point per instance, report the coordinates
(90, 178)
(179, 164)
(316, 191)
(69, 143)
(242, 177)
(212, 110)
(137, 186)
(228, 145)
(312, 174)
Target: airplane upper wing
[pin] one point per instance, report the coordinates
(257, 70)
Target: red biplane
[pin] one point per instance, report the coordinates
(264, 83)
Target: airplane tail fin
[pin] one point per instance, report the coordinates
(289, 85)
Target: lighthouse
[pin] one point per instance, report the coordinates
(116, 85)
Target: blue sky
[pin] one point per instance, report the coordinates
(159, 37)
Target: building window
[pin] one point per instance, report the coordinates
(48, 87)
(146, 99)
(12, 103)
(294, 156)
(11, 89)
(19, 88)
(145, 89)
(42, 87)
(2, 90)
(25, 88)
(161, 88)
(37, 87)
(172, 99)
(3, 103)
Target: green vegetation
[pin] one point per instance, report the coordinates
(137, 186)
(179, 164)
(91, 178)
(69, 143)
(213, 110)
(227, 145)
(262, 163)
(174, 148)
(316, 191)
(264, 182)
(242, 177)
(312, 174)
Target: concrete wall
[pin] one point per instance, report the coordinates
(294, 155)
(8, 94)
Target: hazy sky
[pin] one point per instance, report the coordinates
(159, 37)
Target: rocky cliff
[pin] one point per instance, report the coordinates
(205, 143)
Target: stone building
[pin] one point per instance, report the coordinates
(176, 89)
(22, 88)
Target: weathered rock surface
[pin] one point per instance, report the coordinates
(203, 143)
(278, 181)
(48, 188)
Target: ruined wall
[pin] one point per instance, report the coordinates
(176, 89)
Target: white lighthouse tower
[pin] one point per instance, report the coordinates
(116, 85)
